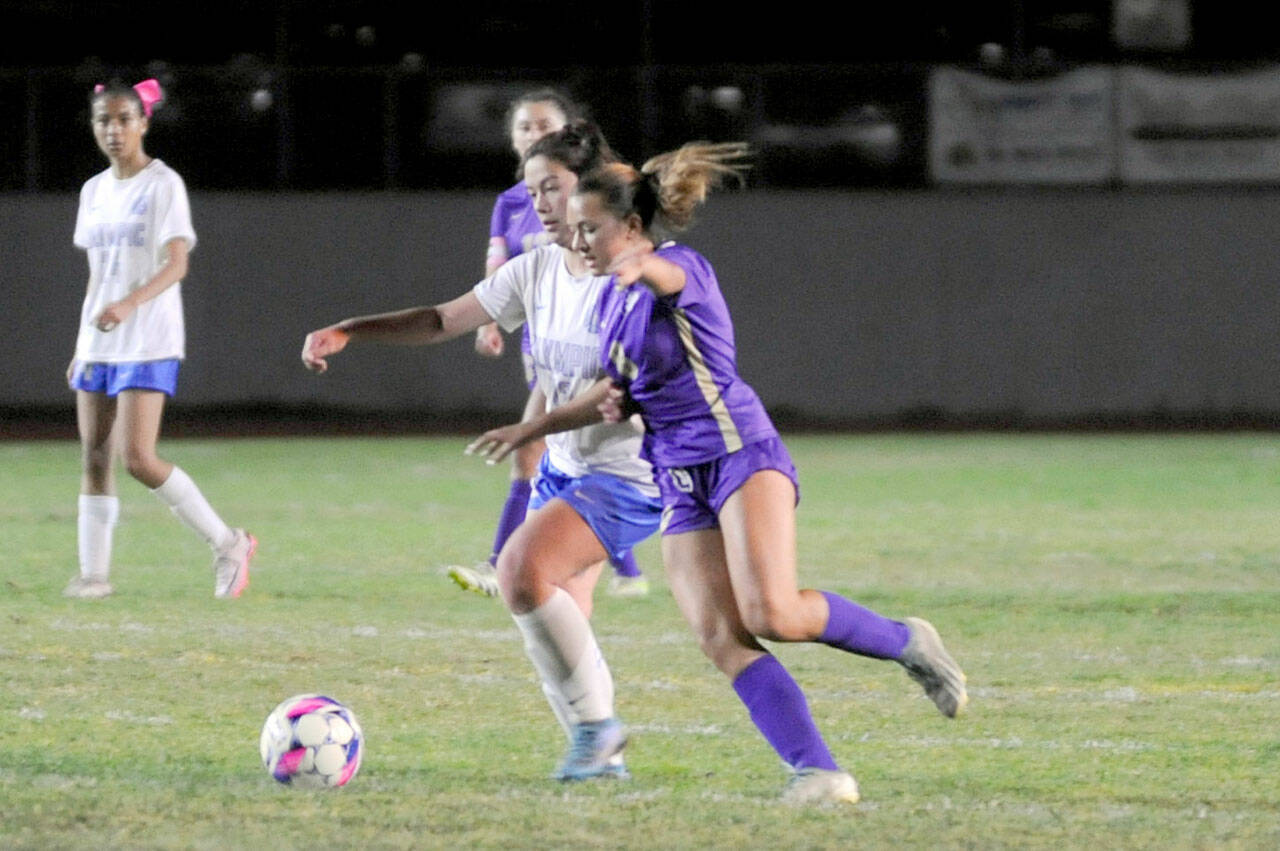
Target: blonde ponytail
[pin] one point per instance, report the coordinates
(669, 187)
(685, 176)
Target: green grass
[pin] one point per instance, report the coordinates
(1115, 601)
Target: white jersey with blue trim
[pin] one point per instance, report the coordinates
(124, 226)
(562, 312)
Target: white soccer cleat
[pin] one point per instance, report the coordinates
(87, 588)
(231, 566)
(628, 586)
(821, 786)
(481, 579)
(929, 664)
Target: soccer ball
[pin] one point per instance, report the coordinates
(311, 741)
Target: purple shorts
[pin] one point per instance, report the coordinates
(111, 378)
(693, 496)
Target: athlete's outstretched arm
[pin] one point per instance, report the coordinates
(582, 410)
(416, 326)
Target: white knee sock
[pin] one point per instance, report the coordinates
(563, 649)
(560, 707)
(185, 500)
(96, 521)
(564, 714)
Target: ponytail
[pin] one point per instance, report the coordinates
(685, 176)
(667, 189)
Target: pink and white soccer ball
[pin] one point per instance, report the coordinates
(312, 741)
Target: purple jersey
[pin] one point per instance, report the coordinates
(676, 357)
(515, 222)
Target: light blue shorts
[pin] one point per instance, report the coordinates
(111, 378)
(619, 514)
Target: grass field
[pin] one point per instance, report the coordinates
(1115, 601)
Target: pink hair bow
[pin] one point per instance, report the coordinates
(148, 92)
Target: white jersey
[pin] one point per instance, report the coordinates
(124, 225)
(564, 334)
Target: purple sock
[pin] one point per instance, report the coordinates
(779, 710)
(625, 566)
(513, 512)
(857, 630)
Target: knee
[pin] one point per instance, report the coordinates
(773, 620)
(96, 459)
(141, 463)
(727, 648)
(517, 579)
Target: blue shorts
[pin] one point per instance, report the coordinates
(693, 496)
(616, 510)
(111, 378)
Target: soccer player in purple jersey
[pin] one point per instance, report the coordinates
(729, 488)
(594, 496)
(514, 229)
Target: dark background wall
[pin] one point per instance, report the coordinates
(849, 306)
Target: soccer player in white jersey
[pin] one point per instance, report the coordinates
(134, 223)
(514, 228)
(593, 497)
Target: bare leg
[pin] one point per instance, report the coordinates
(139, 424)
(759, 530)
(95, 416)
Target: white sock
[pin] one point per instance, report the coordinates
(185, 500)
(563, 649)
(95, 524)
(564, 714)
(560, 707)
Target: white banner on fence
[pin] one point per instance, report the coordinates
(1199, 128)
(1055, 130)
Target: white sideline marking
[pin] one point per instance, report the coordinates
(31, 714)
(1009, 743)
(686, 730)
(647, 795)
(660, 685)
(132, 718)
(1127, 694)
(94, 626)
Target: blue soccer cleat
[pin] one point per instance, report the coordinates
(594, 744)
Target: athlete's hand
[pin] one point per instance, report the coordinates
(614, 406)
(320, 344)
(114, 314)
(489, 341)
(498, 443)
(627, 268)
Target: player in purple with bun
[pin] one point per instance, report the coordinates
(728, 485)
(514, 229)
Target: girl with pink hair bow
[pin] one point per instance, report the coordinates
(134, 224)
